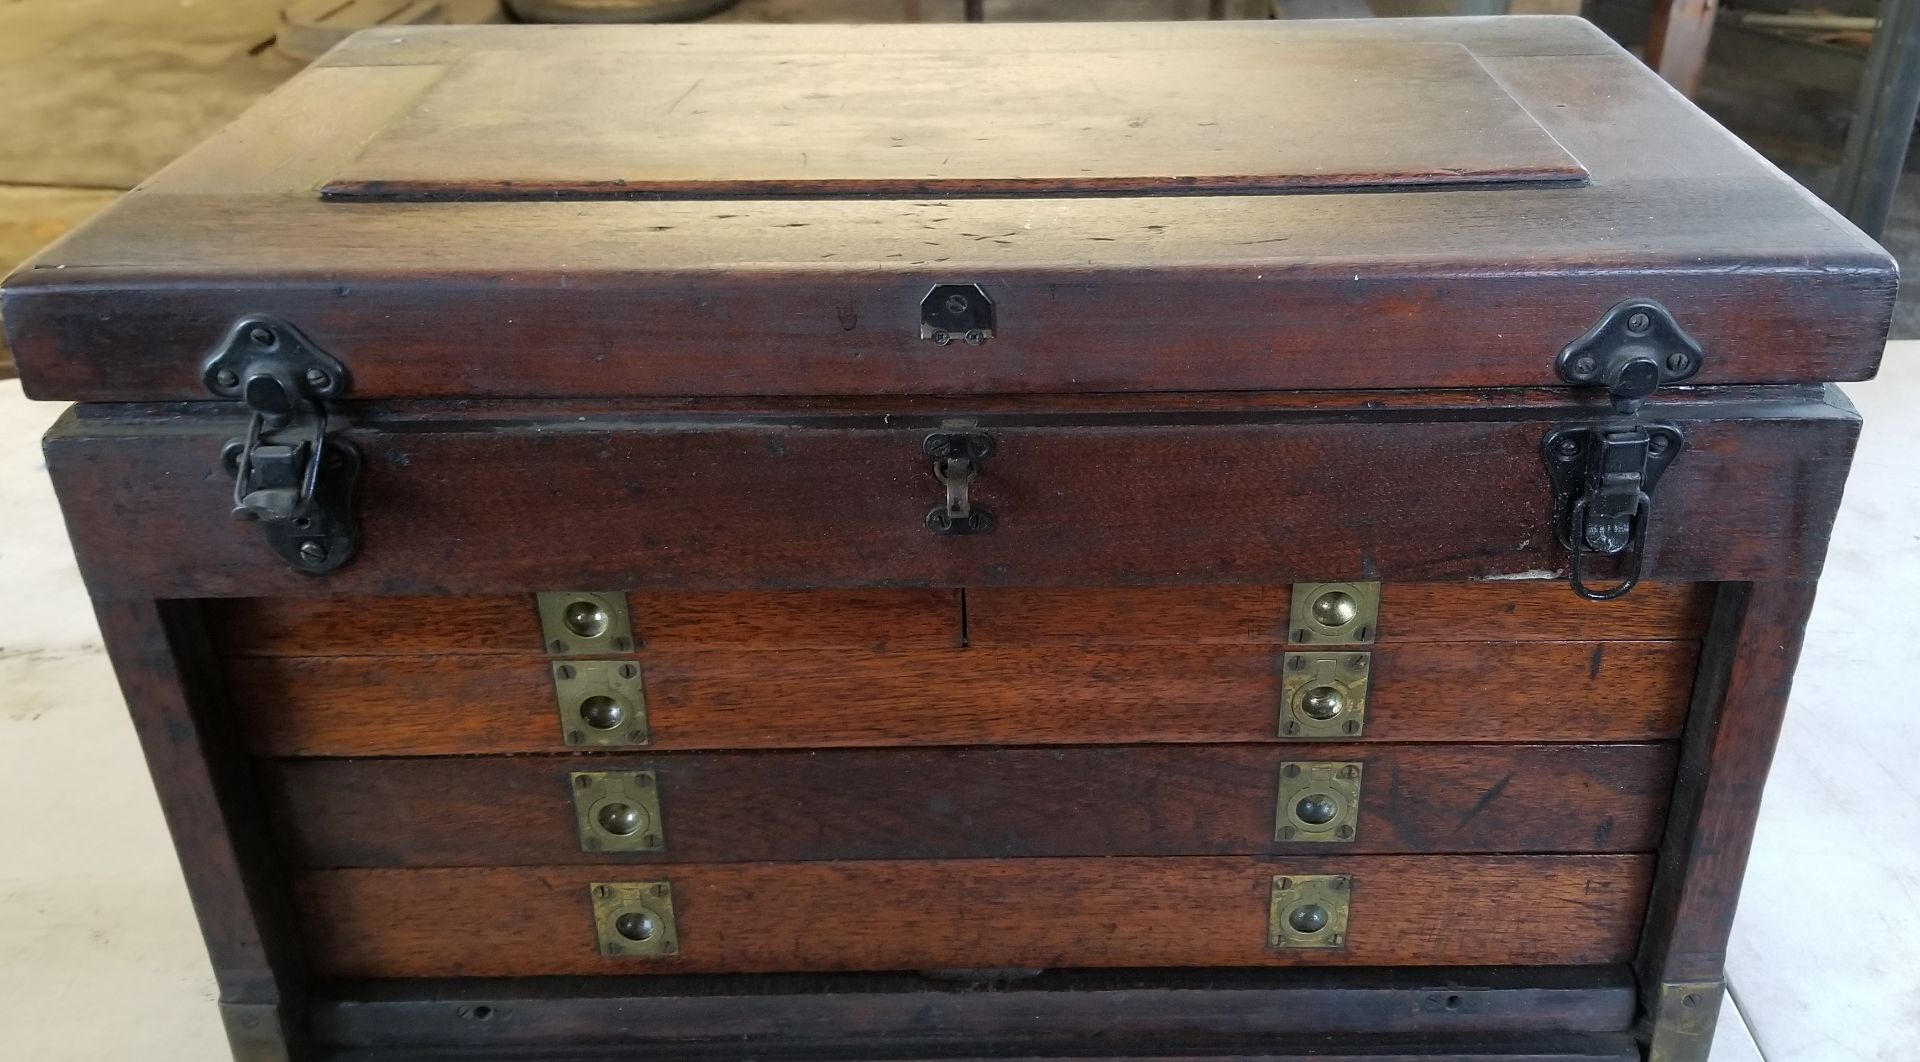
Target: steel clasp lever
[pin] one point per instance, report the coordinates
(956, 463)
(1603, 482)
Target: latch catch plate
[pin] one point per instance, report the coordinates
(1636, 347)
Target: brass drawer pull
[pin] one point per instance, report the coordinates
(1334, 613)
(585, 623)
(618, 811)
(1318, 802)
(1324, 695)
(634, 919)
(1309, 911)
(602, 702)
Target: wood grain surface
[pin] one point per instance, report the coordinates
(974, 914)
(826, 122)
(876, 619)
(686, 502)
(510, 623)
(1467, 287)
(971, 803)
(459, 705)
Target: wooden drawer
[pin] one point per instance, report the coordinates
(978, 914)
(975, 803)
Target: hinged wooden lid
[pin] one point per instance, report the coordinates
(534, 212)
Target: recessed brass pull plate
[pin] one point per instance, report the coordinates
(1324, 695)
(1334, 613)
(602, 702)
(1318, 802)
(1309, 911)
(585, 623)
(618, 811)
(634, 919)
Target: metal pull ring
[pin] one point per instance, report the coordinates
(1636, 547)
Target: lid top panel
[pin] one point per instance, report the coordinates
(1264, 114)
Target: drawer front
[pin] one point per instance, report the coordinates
(468, 676)
(968, 803)
(976, 914)
(494, 499)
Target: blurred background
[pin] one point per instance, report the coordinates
(97, 94)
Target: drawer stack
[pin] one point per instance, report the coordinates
(583, 783)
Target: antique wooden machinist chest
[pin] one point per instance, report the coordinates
(1231, 541)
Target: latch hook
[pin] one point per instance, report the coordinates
(288, 474)
(956, 463)
(1603, 482)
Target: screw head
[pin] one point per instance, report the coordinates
(1677, 362)
(318, 379)
(1585, 366)
(1658, 444)
(1638, 322)
(261, 336)
(956, 304)
(1568, 448)
(313, 552)
(975, 337)
(226, 379)
(942, 338)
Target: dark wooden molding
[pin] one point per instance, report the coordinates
(204, 783)
(1746, 673)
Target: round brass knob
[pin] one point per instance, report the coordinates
(1335, 608)
(602, 712)
(1316, 809)
(637, 926)
(1323, 702)
(586, 619)
(621, 820)
(1307, 918)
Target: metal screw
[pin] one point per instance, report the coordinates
(1346, 833)
(1291, 770)
(226, 379)
(262, 337)
(956, 304)
(1358, 662)
(313, 552)
(1584, 366)
(1639, 322)
(942, 339)
(318, 379)
(1676, 362)
(975, 337)
(1658, 444)
(1569, 448)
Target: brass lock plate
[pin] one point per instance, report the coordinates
(1324, 695)
(1309, 911)
(602, 702)
(634, 919)
(585, 623)
(1334, 614)
(1318, 802)
(618, 811)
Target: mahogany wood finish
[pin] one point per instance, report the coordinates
(469, 505)
(1388, 115)
(1738, 708)
(880, 749)
(1507, 610)
(1471, 287)
(1000, 803)
(406, 626)
(464, 705)
(976, 914)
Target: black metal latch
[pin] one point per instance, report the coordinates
(1603, 481)
(956, 461)
(288, 472)
(1636, 347)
